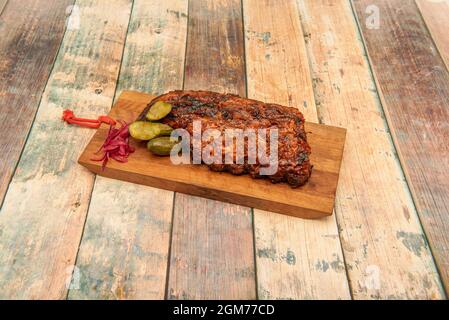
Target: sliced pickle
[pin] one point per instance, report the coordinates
(165, 129)
(162, 146)
(142, 130)
(158, 111)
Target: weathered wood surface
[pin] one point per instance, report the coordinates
(414, 90)
(385, 250)
(212, 252)
(124, 249)
(30, 37)
(296, 259)
(344, 90)
(44, 211)
(435, 15)
(2, 5)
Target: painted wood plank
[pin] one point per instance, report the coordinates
(414, 90)
(385, 250)
(212, 242)
(44, 211)
(2, 5)
(296, 259)
(436, 17)
(124, 249)
(31, 36)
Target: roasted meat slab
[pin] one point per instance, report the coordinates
(227, 111)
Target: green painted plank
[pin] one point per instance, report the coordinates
(44, 211)
(30, 37)
(124, 249)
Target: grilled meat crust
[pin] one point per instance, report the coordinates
(227, 111)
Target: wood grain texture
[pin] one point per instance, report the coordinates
(436, 17)
(124, 250)
(2, 5)
(212, 253)
(386, 253)
(44, 211)
(296, 259)
(313, 200)
(30, 37)
(414, 90)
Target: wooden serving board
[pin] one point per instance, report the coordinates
(313, 200)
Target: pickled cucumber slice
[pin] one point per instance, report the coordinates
(162, 146)
(164, 129)
(158, 111)
(142, 130)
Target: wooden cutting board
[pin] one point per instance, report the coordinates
(313, 200)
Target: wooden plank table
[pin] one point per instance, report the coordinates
(377, 68)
